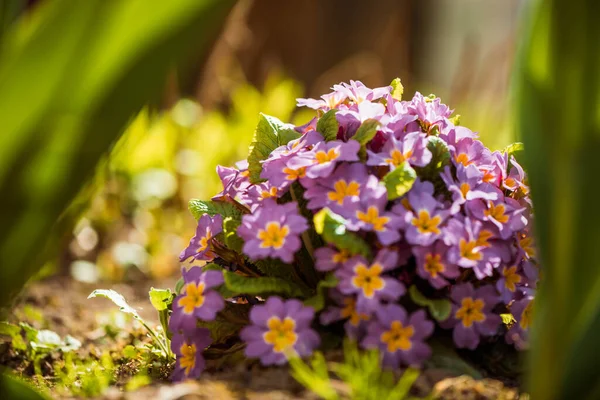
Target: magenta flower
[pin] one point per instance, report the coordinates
(234, 181)
(324, 156)
(279, 329)
(472, 315)
(470, 151)
(468, 186)
(370, 214)
(326, 103)
(433, 266)
(430, 111)
(196, 301)
(512, 281)
(516, 179)
(345, 309)
(340, 191)
(412, 149)
(273, 231)
(188, 347)
(255, 194)
(329, 259)
(399, 337)
(357, 92)
(518, 334)
(505, 214)
(368, 282)
(199, 247)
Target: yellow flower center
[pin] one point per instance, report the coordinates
(293, 174)
(341, 256)
(433, 264)
(511, 278)
(470, 311)
(273, 236)
(245, 173)
(526, 316)
(464, 189)
(398, 337)
(323, 157)
(488, 176)
(269, 193)
(204, 240)
(194, 297)
(526, 243)
(463, 159)
(281, 334)
(343, 190)
(484, 236)
(368, 279)
(188, 357)
(510, 182)
(426, 224)
(496, 212)
(349, 311)
(397, 157)
(467, 250)
(372, 217)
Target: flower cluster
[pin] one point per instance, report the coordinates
(417, 202)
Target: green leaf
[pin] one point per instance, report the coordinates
(397, 89)
(444, 356)
(438, 308)
(160, 298)
(116, 298)
(514, 149)
(232, 240)
(228, 322)
(318, 300)
(130, 351)
(332, 227)
(440, 153)
(328, 126)
(366, 131)
(8, 329)
(399, 181)
(63, 107)
(12, 387)
(274, 267)
(262, 285)
(200, 207)
(270, 133)
(179, 285)
(455, 120)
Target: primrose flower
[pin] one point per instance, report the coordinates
(430, 111)
(279, 329)
(399, 337)
(188, 348)
(357, 92)
(471, 315)
(412, 149)
(370, 214)
(470, 151)
(199, 247)
(255, 194)
(273, 231)
(505, 214)
(468, 186)
(329, 259)
(324, 156)
(433, 265)
(518, 334)
(367, 282)
(234, 181)
(339, 191)
(345, 309)
(512, 278)
(196, 301)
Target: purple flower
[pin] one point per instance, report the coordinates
(518, 334)
(412, 149)
(188, 347)
(430, 111)
(234, 181)
(512, 278)
(433, 265)
(324, 156)
(272, 231)
(357, 92)
(345, 309)
(370, 214)
(328, 259)
(199, 247)
(368, 282)
(470, 151)
(472, 315)
(340, 191)
(327, 102)
(279, 329)
(400, 337)
(516, 179)
(196, 301)
(424, 218)
(255, 194)
(468, 186)
(505, 214)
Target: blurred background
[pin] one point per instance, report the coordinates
(132, 221)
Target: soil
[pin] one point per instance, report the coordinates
(60, 304)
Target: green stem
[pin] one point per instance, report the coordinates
(155, 337)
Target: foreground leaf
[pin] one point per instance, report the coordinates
(262, 285)
(366, 131)
(200, 207)
(116, 298)
(328, 126)
(332, 228)
(399, 181)
(317, 302)
(160, 298)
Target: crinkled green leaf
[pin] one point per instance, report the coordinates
(200, 207)
(228, 322)
(8, 329)
(400, 180)
(274, 267)
(318, 300)
(514, 149)
(332, 228)
(366, 131)
(160, 298)
(232, 240)
(438, 308)
(397, 89)
(116, 298)
(328, 126)
(262, 285)
(270, 133)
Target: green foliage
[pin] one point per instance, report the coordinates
(361, 374)
(85, 378)
(399, 181)
(514, 149)
(58, 120)
(438, 308)
(160, 298)
(200, 207)
(328, 126)
(332, 227)
(228, 322)
(366, 132)
(232, 240)
(558, 92)
(12, 387)
(270, 133)
(262, 285)
(397, 89)
(444, 357)
(318, 300)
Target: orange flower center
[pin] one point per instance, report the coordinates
(398, 337)
(470, 311)
(281, 334)
(368, 279)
